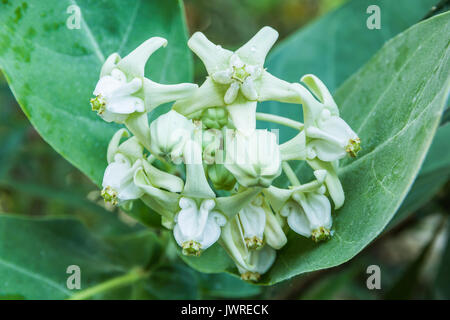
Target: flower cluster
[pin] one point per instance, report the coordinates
(205, 168)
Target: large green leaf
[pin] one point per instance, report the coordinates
(394, 103)
(336, 46)
(434, 174)
(52, 69)
(35, 254)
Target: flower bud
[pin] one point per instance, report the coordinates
(197, 228)
(254, 160)
(221, 178)
(214, 118)
(168, 135)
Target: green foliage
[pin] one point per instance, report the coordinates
(391, 115)
(393, 102)
(61, 65)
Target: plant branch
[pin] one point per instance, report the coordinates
(280, 120)
(126, 279)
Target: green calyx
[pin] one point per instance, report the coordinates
(240, 74)
(320, 234)
(353, 147)
(253, 243)
(250, 276)
(109, 195)
(192, 248)
(98, 104)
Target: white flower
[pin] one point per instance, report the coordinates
(260, 226)
(197, 228)
(309, 214)
(123, 90)
(118, 184)
(253, 221)
(168, 135)
(258, 263)
(250, 263)
(328, 137)
(254, 160)
(114, 99)
(237, 80)
(239, 76)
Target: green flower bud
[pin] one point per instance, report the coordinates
(214, 118)
(221, 178)
(254, 160)
(168, 135)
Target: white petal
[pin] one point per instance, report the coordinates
(295, 148)
(332, 181)
(317, 209)
(166, 201)
(196, 184)
(338, 128)
(231, 93)
(157, 94)
(127, 88)
(110, 64)
(256, 49)
(273, 232)
(296, 218)
(129, 192)
(106, 85)
(253, 220)
(223, 76)
(162, 179)
(272, 88)
(114, 117)
(134, 63)
(327, 151)
(243, 115)
(214, 57)
(209, 94)
(114, 143)
(259, 261)
(321, 91)
(188, 219)
(248, 89)
(236, 62)
(125, 105)
(212, 230)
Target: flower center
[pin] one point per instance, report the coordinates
(191, 248)
(320, 234)
(250, 276)
(353, 147)
(109, 195)
(253, 243)
(240, 74)
(98, 104)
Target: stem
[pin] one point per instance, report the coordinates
(126, 279)
(290, 174)
(280, 120)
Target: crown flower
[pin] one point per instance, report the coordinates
(237, 80)
(205, 168)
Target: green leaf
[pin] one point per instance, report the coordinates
(394, 103)
(35, 254)
(434, 174)
(335, 46)
(222, 285)
(52, 70)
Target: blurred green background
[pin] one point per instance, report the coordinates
(411, 253)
